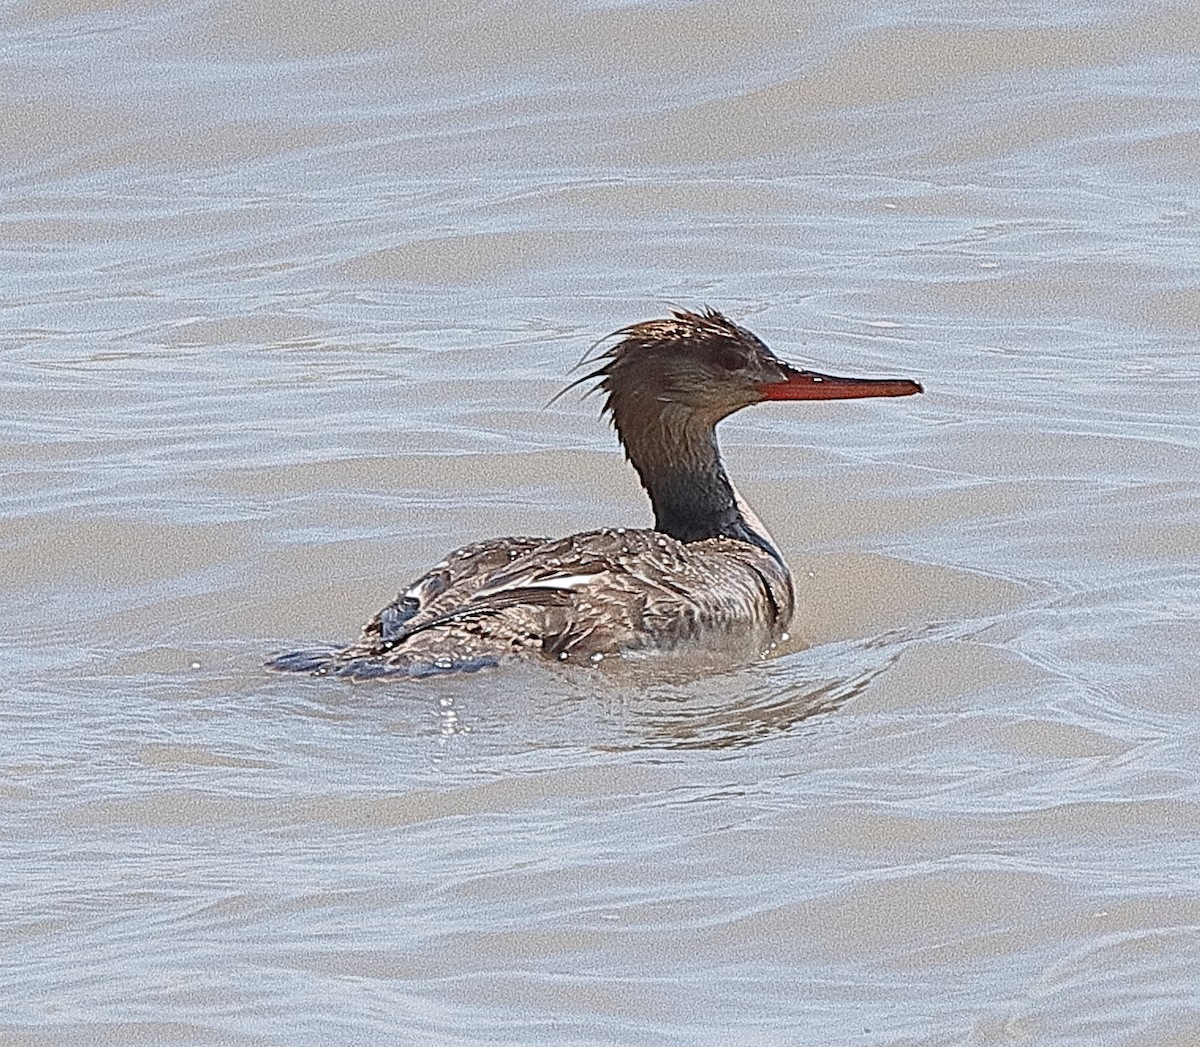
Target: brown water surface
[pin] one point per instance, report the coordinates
(285, 289)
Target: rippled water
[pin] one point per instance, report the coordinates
(285, 289)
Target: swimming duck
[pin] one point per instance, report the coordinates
(708, 574)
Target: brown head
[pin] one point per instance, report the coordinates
(667, 383)
(707, 366)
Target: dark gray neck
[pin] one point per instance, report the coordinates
(691, 504)
(680, 467)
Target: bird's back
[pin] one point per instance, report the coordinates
(578, 600)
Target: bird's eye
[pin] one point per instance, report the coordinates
(729, 358)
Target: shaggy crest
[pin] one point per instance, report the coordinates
(707, 336)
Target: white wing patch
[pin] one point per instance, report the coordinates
(562, 582)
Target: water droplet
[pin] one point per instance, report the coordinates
(562, 656)
(784, 637)
(596, 658)
(195, 665)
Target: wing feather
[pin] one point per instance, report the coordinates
(593, 594)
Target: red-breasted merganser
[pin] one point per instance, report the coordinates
(707, 575)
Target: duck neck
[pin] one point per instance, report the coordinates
(677, 458)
